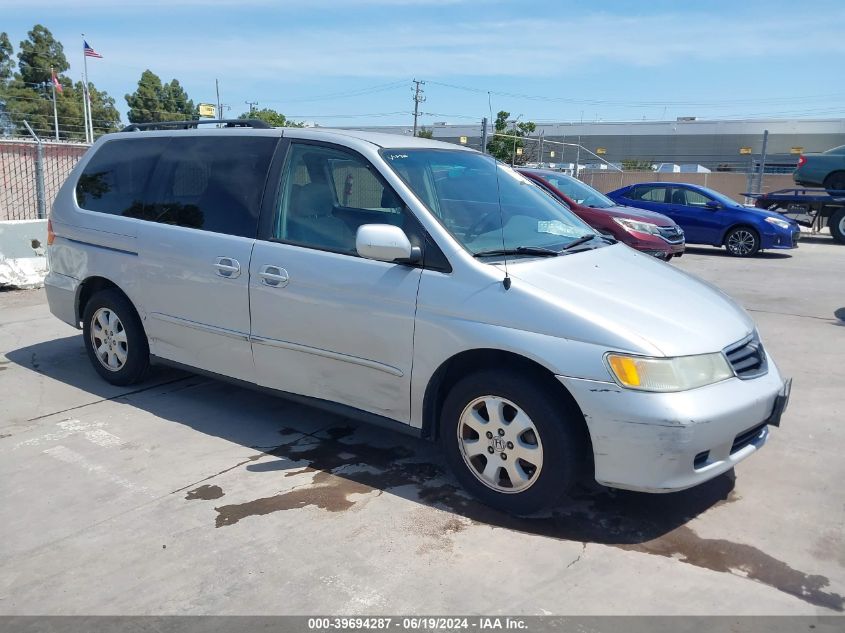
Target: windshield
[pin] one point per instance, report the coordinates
(485, 205)
(578, 191)
(836, 150)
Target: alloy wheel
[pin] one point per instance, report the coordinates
(742, 242)
(108, 338)
(500, 444)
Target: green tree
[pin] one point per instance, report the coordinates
(153, 101)
(271, 117)
(38, 53)
(504, 148)
(7, 63)
(637, 164)
(425, 133)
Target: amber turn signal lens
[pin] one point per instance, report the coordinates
(50, 235)
(625, 369)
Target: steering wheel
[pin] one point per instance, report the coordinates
(472, 231)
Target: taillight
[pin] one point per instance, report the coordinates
(802, 160)
(50, 235)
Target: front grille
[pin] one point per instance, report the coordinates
(747, 357)
(672, 234)
(746, 437)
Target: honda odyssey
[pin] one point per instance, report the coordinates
(414, 284)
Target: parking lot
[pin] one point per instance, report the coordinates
(185, 495)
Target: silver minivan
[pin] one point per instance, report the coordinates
(414, 284)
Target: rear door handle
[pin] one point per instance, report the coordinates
(274, 276)
(228, 267)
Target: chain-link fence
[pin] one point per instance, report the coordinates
(22, 164)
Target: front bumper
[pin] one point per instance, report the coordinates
(781, 239)
(663, 442)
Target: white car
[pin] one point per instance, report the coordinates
(414, 284)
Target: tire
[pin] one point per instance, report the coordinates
(836, 224)
(551, 438)
(111, 325)
(742, 241)
(835, 181)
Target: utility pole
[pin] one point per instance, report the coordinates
(484, 135)
(763, 161)
(217, 90)
(419, 97)
(251, 105)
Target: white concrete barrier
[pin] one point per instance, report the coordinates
(23, 256)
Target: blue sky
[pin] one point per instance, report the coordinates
(348, 63)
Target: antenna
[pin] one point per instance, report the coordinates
(506, 282)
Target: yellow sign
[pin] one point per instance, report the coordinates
(552, 154)
(207, 109)
(744, 150)
(601, 150)
(796, 150)
(463, 140)
(519, 151)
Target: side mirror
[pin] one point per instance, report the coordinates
(386, 243)
(713, 205)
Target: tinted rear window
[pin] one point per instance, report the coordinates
(212, 183)
(116, 178)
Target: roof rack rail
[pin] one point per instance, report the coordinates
(187, 125)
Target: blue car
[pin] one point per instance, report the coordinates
(708, 217)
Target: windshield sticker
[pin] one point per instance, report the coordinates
(556, 227)
(395, 156)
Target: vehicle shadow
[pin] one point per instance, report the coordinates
(715, 250)
(348, 458)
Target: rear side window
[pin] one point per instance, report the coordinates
(648, 194)
(116, 178)
(213, 183)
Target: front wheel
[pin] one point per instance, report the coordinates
(114, 338)
(510, 443)
(742, 241)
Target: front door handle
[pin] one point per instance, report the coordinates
(228, 267)
(274, 276)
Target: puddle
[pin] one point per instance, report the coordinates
(649, 524)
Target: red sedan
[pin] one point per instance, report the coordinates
(646, 231)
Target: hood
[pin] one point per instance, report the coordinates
(764, 213)
(641, 215)
(650, 305)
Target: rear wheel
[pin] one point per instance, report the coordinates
(836, 224)
(509, 442)
(835, 181)
(742, 241)
(114, 338)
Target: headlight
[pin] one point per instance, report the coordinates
(778, 222)
(668, 374)
(634, 225)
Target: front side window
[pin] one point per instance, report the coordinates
(213, 183)
(116, 179)
(328, 193)
(696, 199)
(484, 204)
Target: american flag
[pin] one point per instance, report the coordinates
(90, 52)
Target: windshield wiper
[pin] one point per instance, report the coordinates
(520, 250)
(579, 240)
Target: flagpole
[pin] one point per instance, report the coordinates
(85, 103)
(55, 112)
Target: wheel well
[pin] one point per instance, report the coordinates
(473, 360)
(88, 289)
(829, 178)
(739, 226)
